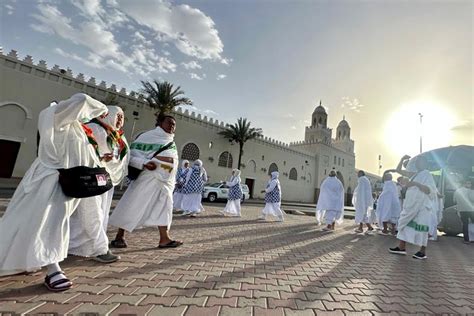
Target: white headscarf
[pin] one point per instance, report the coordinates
(111, 118)
(198, 163)
(183, 163)
(275, 175)
(236, 172)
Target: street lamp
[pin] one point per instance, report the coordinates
(421, 132)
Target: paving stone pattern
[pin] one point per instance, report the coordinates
(239, 266)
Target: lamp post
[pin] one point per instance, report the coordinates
(421, 132)
(380, 164)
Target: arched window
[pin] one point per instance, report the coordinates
(320, 120)
(273, 167)
(225, 160)
(293, 174)
(190, 152)
(252, 166)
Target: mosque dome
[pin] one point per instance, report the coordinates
(343, 123)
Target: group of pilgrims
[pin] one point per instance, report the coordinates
(42, 224)
(409, 209)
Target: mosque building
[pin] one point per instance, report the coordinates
(27, 88)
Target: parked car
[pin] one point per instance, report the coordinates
(220, 191)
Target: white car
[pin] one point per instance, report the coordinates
(220, 191)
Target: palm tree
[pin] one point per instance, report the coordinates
(162, 96)
(240, 133)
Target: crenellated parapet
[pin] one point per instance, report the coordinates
(102, 90)
(67, 78)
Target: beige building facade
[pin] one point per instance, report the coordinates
(27, 88)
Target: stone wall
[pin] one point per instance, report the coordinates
(27, 88)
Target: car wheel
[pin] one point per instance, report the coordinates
(212, 197)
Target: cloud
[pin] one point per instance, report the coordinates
(221, 76)
(196, 76)
(464, 126)
(293, 127)
(189, 29)
(351, 104)
(191, 65)
(96, 35)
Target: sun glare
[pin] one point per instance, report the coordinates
(403, 128)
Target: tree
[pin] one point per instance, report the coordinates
(163, 96)
(240, 133)
(111, 99)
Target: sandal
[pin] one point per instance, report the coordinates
(171, 244)
(53, 286)
(118, 243)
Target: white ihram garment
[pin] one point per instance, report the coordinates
(89, 222)
(388, 205)
(34, 231)
(414, 222)
(363, 200)
(330, 203)
(148, 201)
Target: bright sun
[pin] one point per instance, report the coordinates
(403, 129)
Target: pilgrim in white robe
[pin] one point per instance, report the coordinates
(232, 208)
(388, 205)
(148, 200)
(178, 190)
(414, 222)
(34, 230)
(89, 221)
(196, 177)
(362, 200)
(331, 201)
(273, 198)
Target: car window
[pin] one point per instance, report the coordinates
(214, 185)
(245, 187)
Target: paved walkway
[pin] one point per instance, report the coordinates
(238, 266)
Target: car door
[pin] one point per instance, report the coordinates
(224, 192)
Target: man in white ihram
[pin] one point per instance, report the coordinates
(331, 202)
(363, 203)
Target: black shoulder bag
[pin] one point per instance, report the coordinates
(82, 182)
(133, 172)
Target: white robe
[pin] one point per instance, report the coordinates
(232, 208)
(148, 201)
(34, 231)
(388, 204)
(331, 198)
(363, 200)
(273, 209)
(89, 222)
(414, 222)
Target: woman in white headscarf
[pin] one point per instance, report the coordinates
(232, 207)
(178, 188)
(272, 198)
(89, 222)
(34, 231)
(193, 187)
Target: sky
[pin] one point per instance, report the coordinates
(384, 65)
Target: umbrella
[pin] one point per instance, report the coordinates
(453, 157)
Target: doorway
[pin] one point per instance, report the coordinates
(250, 183)
(9, 150)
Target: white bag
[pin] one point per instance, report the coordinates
(471, 231)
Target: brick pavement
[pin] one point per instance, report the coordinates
(238, 266)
